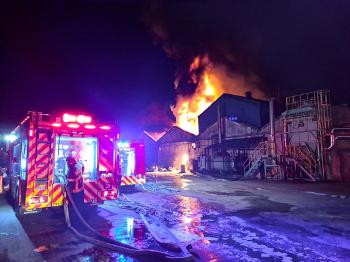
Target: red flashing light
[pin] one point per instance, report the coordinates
(31, 132)
(56, 124)
(105, 127)
(73, 126)
(84, 119)
(69, 118)
(90, 126)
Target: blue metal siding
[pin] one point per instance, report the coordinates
(241, 109)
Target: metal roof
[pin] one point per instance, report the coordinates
(247, 110)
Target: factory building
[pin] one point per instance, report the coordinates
(228, 129)
(242, 137)
(175, 149)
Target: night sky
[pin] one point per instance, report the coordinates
(118, 59)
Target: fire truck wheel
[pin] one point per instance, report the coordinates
(92, 208)
(18, 209)
(128, 188)
(88, 210)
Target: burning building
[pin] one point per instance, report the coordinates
(242, 137)
(228, 129)
(175, 149)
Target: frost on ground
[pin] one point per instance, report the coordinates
(235, 221)
(268, 236)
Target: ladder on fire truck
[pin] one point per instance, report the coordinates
(40, 182)
(43, 154)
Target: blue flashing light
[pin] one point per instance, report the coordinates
(123, 144)
(23, 164)
(10, 138)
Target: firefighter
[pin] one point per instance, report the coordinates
(4, 184)
(75, 180)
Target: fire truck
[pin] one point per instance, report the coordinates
(38, 150)
(132, 163)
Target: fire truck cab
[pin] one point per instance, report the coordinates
(38, 150)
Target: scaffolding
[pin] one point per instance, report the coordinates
(306, 123)
(298, 151)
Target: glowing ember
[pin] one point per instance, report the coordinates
(212, 81)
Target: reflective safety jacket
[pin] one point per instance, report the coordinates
(75, 177)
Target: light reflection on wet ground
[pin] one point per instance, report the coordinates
(265, 231)
(182, 214)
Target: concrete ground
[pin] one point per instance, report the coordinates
(222, 220)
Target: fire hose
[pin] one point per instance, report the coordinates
(111, 243)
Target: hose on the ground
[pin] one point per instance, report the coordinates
(111, 243)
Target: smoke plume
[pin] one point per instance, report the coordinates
(210, 58)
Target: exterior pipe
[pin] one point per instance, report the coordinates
(335, 138)
(219, 124)
(272, 127)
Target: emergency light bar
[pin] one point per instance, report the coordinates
(90, 126)
(56, 124)
(84, 119)
(105, 127)
(81, 119)
(79, 122)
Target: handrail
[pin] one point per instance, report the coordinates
(307, 161)
(261, 149)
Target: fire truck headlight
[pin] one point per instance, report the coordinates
(10, 138)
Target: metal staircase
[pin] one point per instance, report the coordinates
(252, 164)
(303, 160)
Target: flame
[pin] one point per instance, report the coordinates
(185, 159)
(212, 81)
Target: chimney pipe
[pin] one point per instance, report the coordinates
(219, 124)
(272, 128)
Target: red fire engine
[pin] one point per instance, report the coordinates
(132, 162)
(37, 159)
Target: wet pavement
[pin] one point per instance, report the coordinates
(221, 220)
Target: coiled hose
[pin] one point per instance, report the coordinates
(111, 243)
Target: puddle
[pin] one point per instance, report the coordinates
(129, 230)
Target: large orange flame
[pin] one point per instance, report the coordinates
(213, 81)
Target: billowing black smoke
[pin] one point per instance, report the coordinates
(186, 29)
(289, 46)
